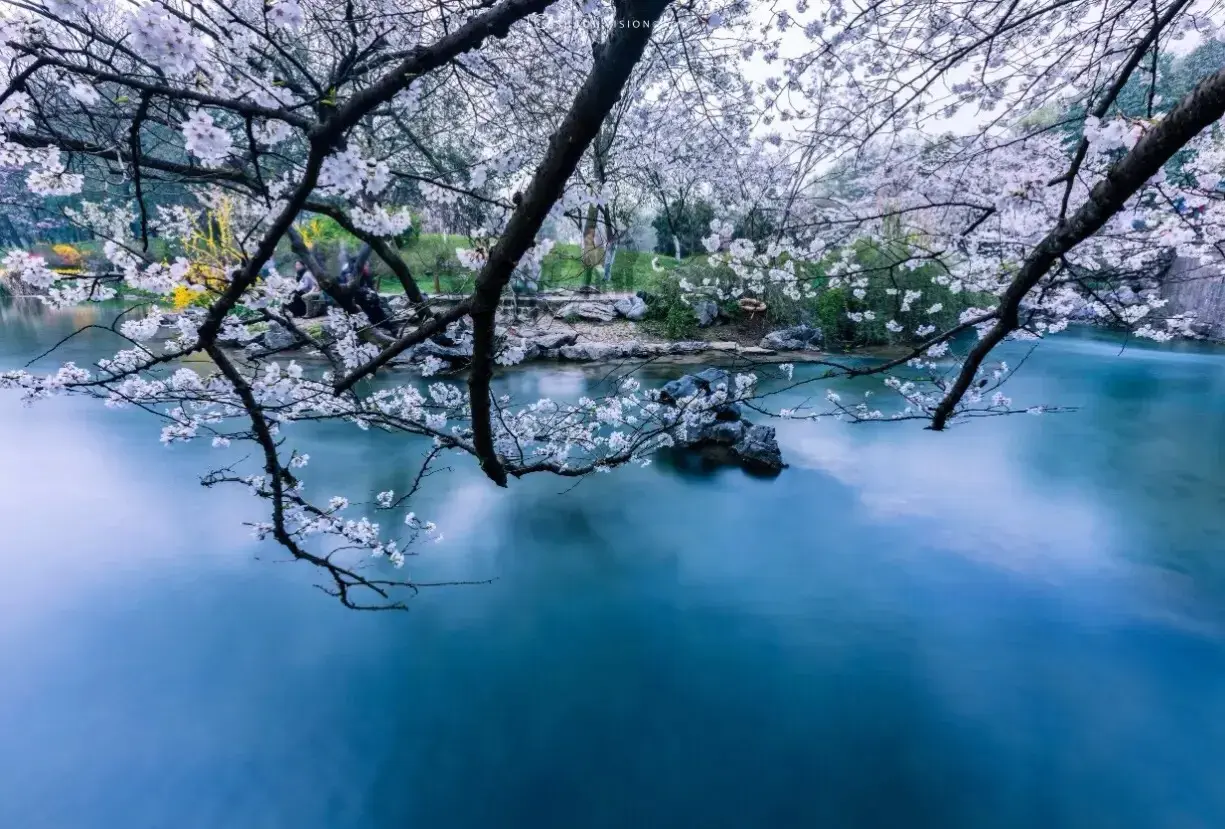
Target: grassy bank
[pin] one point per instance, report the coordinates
(431, 258)
(876, 315)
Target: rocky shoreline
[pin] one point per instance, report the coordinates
(709, 424)
(575, 332)
(590, 329)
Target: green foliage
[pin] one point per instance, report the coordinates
(668, 313)
(431, 258)
(1176, 76)
(830, 312)
(630, 267)
(829, 307)
(322, 230)
(755, 226)
(885, 298)
(408, 237)
(689, 222)
(680, 323)
(91, 257)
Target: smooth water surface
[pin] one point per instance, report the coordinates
(1016, 624)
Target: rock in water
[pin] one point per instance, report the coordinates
(679, 389)
(707, 311)
(727, 435)
(277, 338)
(758, 450)
(690, 384)
(726, 432)
(712, 378)
(592, 311)
(796, 338)
(631, 307)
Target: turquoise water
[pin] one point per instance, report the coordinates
(1018, 623)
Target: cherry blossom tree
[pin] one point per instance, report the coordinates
(278, 111)
(919, 127)
(1002, 204)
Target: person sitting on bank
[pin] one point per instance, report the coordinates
(307, 286)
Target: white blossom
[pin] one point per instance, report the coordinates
(205, 140)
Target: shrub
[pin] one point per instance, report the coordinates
(680, 323)
(668, 311)
(59, 257)
(831, 318)
(70, 258)
(182, 297)
(409, 236)
(856, 302)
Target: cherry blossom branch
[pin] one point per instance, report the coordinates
(615, 60)
(1197, 110)
(1103, 106)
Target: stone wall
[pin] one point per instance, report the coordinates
(1195, 288)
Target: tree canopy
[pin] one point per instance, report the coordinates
(807, 130)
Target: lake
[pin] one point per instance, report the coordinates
(1017, 623)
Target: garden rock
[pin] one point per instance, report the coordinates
(687, 347)
(531, 350)
(277, 338)
(707, 312)
(591, 311)
(554, 339)
(593, 352)
(796, 338)
(728, 436)
(1082, 310)
(759, 451)
(679, 389)
(712, 378)
(631, 307)
(429, 348)
(725, 432)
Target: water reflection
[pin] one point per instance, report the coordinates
(972, 496)
(1010, 625)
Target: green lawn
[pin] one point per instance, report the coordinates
(433, 263)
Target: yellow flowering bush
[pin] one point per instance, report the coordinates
(213, 252)
(70, 259)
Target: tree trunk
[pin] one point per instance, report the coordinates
(590, 257)
(610, 254)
